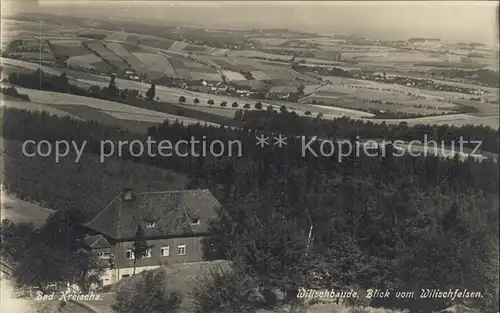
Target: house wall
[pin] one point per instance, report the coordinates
(194, 253)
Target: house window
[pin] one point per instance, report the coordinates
(148, 253)
(130, 254)
(151, 224)
(181, 249)
(103, 255)
(165, 251)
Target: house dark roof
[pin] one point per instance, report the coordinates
(98, 241)
(283, 89)
(250, 84)
(172, 212)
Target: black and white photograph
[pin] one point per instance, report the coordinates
(249, 156)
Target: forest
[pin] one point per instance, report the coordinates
(402, 223)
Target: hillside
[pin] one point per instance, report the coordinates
(17, 210)
(87, 185)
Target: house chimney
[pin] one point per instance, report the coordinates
(127, 194)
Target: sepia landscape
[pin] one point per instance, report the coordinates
(121, 230)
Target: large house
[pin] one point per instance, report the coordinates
(174, 223)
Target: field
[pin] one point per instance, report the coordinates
(111, 113)
(33, 107)
(128, 56)
(363, 94)
(452, 119)
(232, 76)
(68, 48)
(270, 41)
(90, 61)
(29, 66)
(157, 61)
(18, 211)
(99, 49)
(175, 57)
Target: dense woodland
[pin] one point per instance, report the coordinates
(377, 222)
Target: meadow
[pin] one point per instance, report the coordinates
(93, 109)
(457, 120)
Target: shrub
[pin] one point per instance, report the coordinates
(182, 99)
(210, 102)
(224, 291)
(196, 100)
(223, 104)
(234, 105)
(147, 295)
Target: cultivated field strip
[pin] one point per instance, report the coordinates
(48, 101)
(155, 42)
(99, 49)
(233, 76)
(85, 61)
(117, 36)
(29, 65)
(131, 59)
(155, 62)
(34, 107)
(67, 48)
(178, 46)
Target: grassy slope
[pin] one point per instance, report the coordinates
(183, 277)
(87, 185)
(17, 210)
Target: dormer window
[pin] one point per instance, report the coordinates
(127, 194)
(195, 221)
(150, 224)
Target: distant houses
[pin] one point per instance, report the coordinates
(249, 87)
(282, 92)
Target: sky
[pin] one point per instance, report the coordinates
(450, 20)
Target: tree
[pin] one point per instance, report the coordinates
(308, 113)
(196, 101)
(320, 115)
(150, 94)
(283, 109)
(64, 229)
(258, 105)
(210, 102)
(235, 104)
(238, 115)
(224, 290)
(132, 96)
(246, 106)
(147, 294)
(182, 99)
(62, 83)
(51, 254)
(141, 246)
(112, 88)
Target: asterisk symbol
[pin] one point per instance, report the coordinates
(280, 141)
(262, 141)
